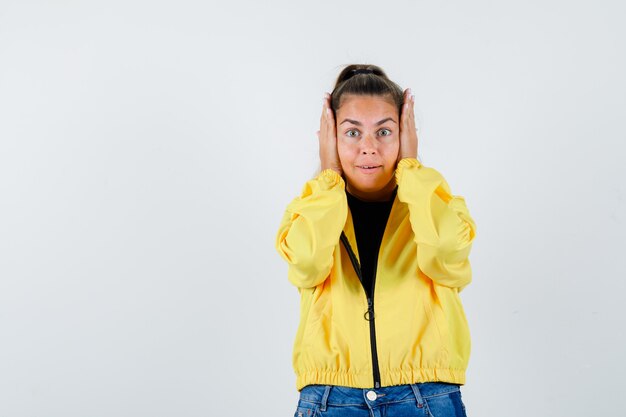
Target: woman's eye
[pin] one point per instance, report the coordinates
(352, 133)
(385, 132)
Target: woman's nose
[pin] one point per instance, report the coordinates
(368, 145)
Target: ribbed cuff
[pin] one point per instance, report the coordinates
(331, 177)
(406, 163)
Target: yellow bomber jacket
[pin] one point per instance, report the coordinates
(414, 328)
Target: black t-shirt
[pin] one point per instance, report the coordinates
(369, 219)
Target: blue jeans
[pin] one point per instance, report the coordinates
(426, 399)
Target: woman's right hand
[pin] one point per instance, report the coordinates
(327, 135)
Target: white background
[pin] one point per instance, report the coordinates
(149, 148)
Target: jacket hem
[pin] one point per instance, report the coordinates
(364, 380)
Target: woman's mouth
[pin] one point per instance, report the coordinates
(368, 168)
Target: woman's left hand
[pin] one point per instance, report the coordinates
(408, 133)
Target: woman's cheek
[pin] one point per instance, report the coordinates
(341, 152)
(393, 148)
(344, 145)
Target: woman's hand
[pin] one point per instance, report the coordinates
(327, 135)
(408, 134)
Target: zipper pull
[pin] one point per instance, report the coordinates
(369, 314)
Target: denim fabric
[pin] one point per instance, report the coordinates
(427, 399)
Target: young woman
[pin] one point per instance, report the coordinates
(378, 248)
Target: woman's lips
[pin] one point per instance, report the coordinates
(369, 168)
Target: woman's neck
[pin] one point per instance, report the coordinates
(383, 194)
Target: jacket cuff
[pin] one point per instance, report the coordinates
(330, 177)
(406, 163)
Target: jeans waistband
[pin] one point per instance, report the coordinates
(343, 396)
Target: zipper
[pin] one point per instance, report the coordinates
(369, 315)
(372, 317)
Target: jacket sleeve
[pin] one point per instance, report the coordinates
(311, 228)
(443, 228)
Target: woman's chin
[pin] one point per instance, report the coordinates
(370, 184)
(372, 189)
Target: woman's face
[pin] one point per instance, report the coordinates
(368, 142)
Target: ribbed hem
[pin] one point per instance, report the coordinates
(412, 376)
(345, 379)
(364, 380)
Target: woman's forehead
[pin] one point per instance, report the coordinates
(363, 99)
(366, 109)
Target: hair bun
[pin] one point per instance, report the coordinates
(356, 69)
(362, 71)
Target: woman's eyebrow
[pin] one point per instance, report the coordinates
(356, 122)
(384, 120)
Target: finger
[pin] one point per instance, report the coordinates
(406, 99)
(329, 107)
(410, 97)
(325, 122)
(330, 120)
(410, 118)
(324, 115)
(330, 123)
(406, 94)
(409, 106)
(405, 114)
(325, 102)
